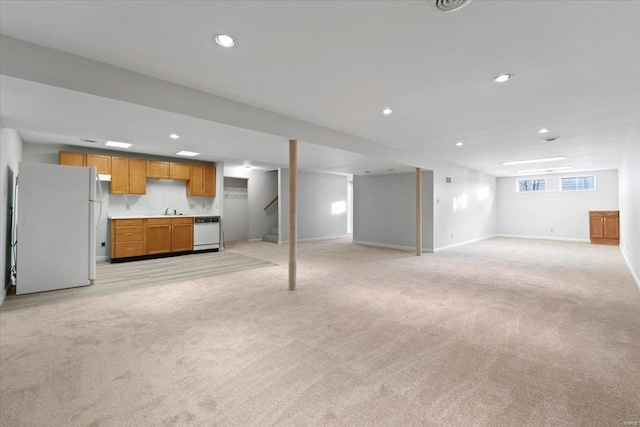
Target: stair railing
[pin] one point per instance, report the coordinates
(271, 203)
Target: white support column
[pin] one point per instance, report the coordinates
(418, 212)
(293, 229)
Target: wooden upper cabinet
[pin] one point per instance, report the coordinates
(157, 169)
(180, 171)
(72, 159)
(102, 163)
(604, 227)
(128, 176)
(119, 175)
(137, 176)
(210, 181)
(203, 181)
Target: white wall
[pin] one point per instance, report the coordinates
(535, 214)
(262, 188)
(10, 155)
(475, 221)
(317, 192)
(629, 175)
(384, 210)
(161, 193)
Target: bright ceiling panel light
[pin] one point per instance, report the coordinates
(502, 78)
(522, 162)
(174, 136)
(547, 170)
(118, 144)
(543, 130)
(387, 111)
(187, 153)
(225, 40)
(460, 144)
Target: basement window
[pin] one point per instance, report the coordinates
(529, 185)
(578, 183)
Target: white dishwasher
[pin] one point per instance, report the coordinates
(206, 233)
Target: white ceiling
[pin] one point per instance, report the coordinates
(337, 64)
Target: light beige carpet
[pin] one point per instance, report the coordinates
(501, 332)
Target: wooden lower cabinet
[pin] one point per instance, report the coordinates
(158, 236)
(126, 238)
(604, 227)
(137, 237)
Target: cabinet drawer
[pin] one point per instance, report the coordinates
(182, 221)
(126, 222)
(127, 249)
(128, 234)
(158, 221)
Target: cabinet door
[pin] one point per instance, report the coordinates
(119, 175)
(158, 236)
(159, 170)
(72, 159)
(209, 181)
(596, 226)
(137, 176)
(611, 225)
(180, 171)
(195, 186)
(102, 163)
(182, 236)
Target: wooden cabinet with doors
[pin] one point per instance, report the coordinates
(604, 227)
(202, 182)
(127, 237)
(69, 158)
(180, 171)
(128, 176)
(165, 235)
(157, 169)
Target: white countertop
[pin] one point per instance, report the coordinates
(141, 215)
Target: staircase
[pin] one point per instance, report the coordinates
(272, 235)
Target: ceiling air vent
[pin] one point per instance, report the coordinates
(550, 139)
(451, 5)
(92, 141)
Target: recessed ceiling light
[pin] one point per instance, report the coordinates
(387, 111)
(174, 136)
(502, 78)
(118, 144)
(460, 144)
(543, 130)
(225, 40)
(548, 170)
(551, 139)
(521, 162)
(187, 153)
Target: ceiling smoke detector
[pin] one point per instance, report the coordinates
(451, 5)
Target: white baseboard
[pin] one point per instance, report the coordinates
(466, 242)
(633, 273)
(562, 239)
(256, 240)
(397, 247)
(3, 295)
(102, 258)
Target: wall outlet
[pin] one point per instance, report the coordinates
(192, 205)
(128, 206)
(551, 230)
(103, 244)
(203, 206)
(452, 235)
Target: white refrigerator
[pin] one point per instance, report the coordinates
(56, 227)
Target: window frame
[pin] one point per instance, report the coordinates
(518, 180)
(577, 189)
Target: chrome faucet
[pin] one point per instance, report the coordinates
(166, 211)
